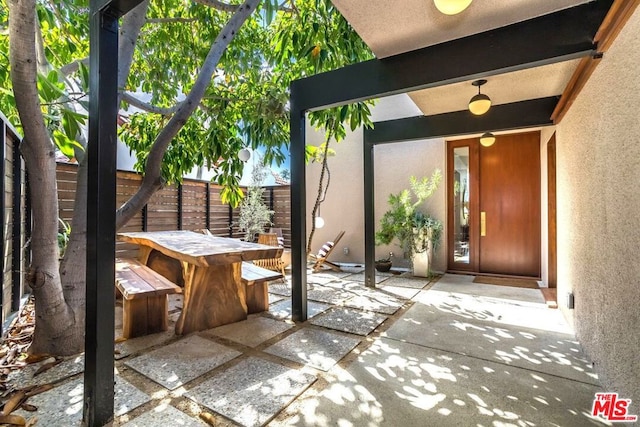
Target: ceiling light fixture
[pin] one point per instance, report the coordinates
(480, 103)
(451, 7)
(487, 139)
(244, 155)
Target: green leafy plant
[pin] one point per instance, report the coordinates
(254, 213)
(64, 231)
(415, 231)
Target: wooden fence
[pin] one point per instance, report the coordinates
(15, 221)
(190, 206)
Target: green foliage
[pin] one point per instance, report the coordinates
(64, 231)
(246, 102)
(254, 214)
(413, 229)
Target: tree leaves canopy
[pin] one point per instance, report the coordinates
(246, 102)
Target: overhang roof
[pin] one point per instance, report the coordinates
(392, 28)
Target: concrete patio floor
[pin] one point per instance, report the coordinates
(410, 353)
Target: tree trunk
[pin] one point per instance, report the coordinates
(57, 323)
(322, 191)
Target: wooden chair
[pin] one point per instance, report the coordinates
(323, 254)
(274, 264)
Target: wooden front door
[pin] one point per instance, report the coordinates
(503, 207)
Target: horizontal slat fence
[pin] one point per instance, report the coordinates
(190, 206)
(15, 254)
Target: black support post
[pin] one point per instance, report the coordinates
(298, 211)
(101, 208)
(369, 216)
(179, 206)
(16, 246)
(230, 221)
(207, 208)
(145, 218)
(3, 141)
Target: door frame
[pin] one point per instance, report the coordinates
(473, 267)
(474, 205)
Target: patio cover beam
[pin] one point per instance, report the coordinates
(516, 115)
(556, 37)
(101, 209)
(548, 39)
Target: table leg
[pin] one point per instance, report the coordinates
(213, 296)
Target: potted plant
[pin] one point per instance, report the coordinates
(254, 213)
(384, 264)
(417, 233)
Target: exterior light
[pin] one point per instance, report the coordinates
(451, 7)
(480, 103)
(244, 155)
(487, 139)
(319, 222)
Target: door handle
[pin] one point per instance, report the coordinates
(483, 224)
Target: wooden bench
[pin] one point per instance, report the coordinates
(145, 296)
(254, 280)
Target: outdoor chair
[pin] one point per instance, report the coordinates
(275, 264)
(324, 252)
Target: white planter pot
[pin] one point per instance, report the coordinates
(421, 264)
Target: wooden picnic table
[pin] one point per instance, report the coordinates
(211, 269)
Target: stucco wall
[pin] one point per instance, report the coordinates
(598, 178)
(394, 164)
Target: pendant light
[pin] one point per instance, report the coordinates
(244, 155)
(451, 7)
(480, 103)
(487, 139)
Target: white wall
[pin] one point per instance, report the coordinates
(394, 164)
(598, 178)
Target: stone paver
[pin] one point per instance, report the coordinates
(182, 361)
(251, 392)
(165, 415)
(251, 332)
(349, 320)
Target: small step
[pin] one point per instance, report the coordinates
(550, 297)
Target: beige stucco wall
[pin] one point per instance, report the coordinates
(598, 178)
(394, 164)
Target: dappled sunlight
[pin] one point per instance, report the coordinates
(472, 330)
(503, 311)
(385, 386)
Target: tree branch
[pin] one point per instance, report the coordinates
(152, 177)
(138, 103)
(226, 7)
(72, 67)
(169, 20)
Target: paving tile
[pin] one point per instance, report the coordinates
(321, 278)
(139, 344)
(69, 367)
(178, 363)
(349, 320)
(251, 392)
(282, 309)
(330, 295)
(251, 332)
(175, 302)
(279, 288)
(62, 406)
(399, 291)
(397, 384)
(360, 277)
(165, 415)
(372, 300)
(408, 282)
(318, 349)
(273, 298)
